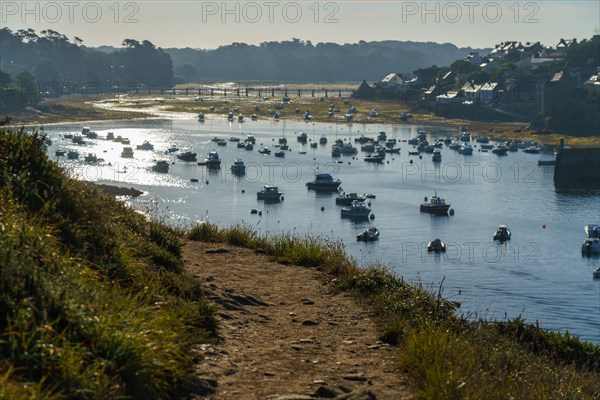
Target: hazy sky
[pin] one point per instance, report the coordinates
(209, 24)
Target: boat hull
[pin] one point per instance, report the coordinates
(437, 210)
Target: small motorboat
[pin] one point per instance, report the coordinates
(502, 234)
(325, 182)
(127, 152)
(90, 158)
(323, 140)
(348, 199)
(161, 166)
(213, 160)
(173, 149)
(590, 247)
(201, 117)
(254, 117)
(357, 210)
(437, 156)
(436, 246)
(532, 150)
(270, 193)
(264, 150)
(368, 235)
(374, 158)
(238, 167)
(187, 156)
(145, 146)
(500, 150)
(302, 137)
(466, 149)
(596, 273)
(436, 205)
(279, 153)
(592, 231)
(73, 155)
(59, 153)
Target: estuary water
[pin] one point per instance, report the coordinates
(540, 274)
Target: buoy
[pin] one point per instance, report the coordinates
(369, 204)
(425, 199)
(322, 208)
(348, 162)
(260, 213)
(282, 198)
(243, 191)
(372, 216)
(207, 182)
(543, 226)
(452, 211)
(411, 161)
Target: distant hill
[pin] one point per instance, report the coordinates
(303, 61)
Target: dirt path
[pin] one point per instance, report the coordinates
(286, 335)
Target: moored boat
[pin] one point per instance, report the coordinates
(161, 166)
(502, 234)
(347, 199)
(436, 246)
(368, 235)
(187, 156)
(213, 160)
(145, 146)
(324, 182)
(238, 167)
(436, 205)
(127, 152)
(269, 193)
(358, 209)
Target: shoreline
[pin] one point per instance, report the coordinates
(143, 107)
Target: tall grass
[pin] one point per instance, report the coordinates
(444, 355)
(93, 300)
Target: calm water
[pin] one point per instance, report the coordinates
(540, 274)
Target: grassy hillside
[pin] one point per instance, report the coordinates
(93, 300)
(444, 355)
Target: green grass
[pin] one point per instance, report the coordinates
(93, 300)
(444, 355)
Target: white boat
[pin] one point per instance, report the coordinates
(590, 246)
(240, 118)
(249, 146)
(502, 234)
(532, 150)
(324, 181)
(373, 113)
(230, 116)
(145, 146)
(368, 235)
(592, 231)
(221, 142)
(264, 150)
(238, 167)
(269, 193)
(212, 160)
(254, 117)
(466, 149)
(358, 209)
(127, 152)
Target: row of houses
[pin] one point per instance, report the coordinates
(471, 93)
